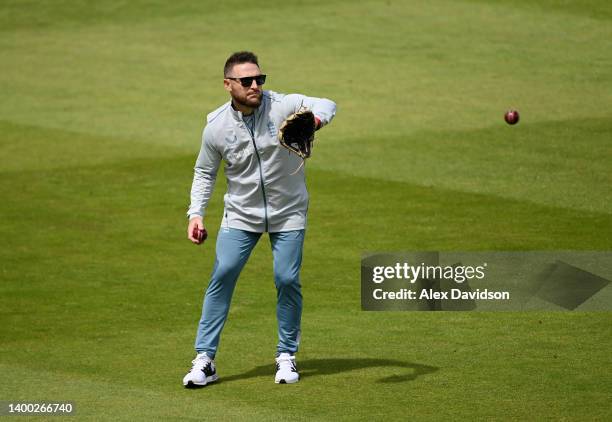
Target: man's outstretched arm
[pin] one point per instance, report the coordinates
(323, 109)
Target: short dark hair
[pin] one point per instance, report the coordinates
(239, 58)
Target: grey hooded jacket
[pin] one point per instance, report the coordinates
(262, 193)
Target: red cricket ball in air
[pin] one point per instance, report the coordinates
(511, 117)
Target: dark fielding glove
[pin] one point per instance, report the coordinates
(297, 133)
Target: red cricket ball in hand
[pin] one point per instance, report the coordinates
(511, 117)
(200, 234)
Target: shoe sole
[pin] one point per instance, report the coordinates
(191, 384)
(283, 381)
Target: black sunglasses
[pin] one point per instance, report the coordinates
(247, 81)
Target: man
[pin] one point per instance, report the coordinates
(265, 193)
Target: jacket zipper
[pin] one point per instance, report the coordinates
(263, 188)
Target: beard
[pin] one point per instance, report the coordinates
(249, 100)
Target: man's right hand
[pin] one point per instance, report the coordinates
(196, 231)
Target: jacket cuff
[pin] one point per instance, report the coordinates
(190, 216)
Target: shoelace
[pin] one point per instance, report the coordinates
(200, 363)
(286, 363)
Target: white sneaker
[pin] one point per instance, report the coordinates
(202, 372)
(286, 371)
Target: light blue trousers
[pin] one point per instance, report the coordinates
(233, 249)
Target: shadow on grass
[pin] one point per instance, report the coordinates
(406, 371)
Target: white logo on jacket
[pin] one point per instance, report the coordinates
(235, 156)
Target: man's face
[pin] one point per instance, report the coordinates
(249, 96)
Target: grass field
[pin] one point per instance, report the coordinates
(102, 108)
